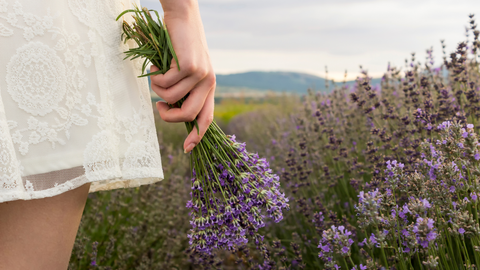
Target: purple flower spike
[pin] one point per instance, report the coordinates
(243, 190)
(426, 204)
(336, 240)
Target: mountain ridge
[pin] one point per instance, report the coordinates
(276, 81)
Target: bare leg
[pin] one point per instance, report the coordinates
(39, 234)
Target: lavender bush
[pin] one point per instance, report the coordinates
(393, 187)
(373, 173)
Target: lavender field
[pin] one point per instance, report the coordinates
(378, 176)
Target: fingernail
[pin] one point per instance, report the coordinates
(189, 148)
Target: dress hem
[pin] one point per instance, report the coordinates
(96, 185)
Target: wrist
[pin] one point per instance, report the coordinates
(179, 8)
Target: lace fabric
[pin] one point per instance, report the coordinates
(72, 111)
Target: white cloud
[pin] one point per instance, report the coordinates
(339, 33)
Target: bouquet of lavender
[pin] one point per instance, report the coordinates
(230, 186)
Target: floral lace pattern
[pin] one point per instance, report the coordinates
(36, 78)
(9, 170)
(69, 99)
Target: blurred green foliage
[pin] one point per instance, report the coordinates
(327, 148)
(146, 227)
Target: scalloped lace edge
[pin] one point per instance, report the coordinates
(96, 185)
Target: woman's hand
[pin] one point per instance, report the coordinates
(196, 76)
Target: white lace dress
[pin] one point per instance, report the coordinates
(72, 111)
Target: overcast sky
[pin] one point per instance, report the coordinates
(307, 35)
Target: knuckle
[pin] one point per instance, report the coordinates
(157, 91)
(190, 68)
(209, 119)
(190, 117)
(155, 79)
(190, 114)
(164, 96)
(212, 81)
(165, 118)
(157, 83)
(171, 100)
(162, 84)
(168, 97)
(203, 73)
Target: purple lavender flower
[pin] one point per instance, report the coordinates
(461, 231)
(335, 240)
(324, 248)
(228, 209)
(477, 156)
(424, 231)
(362, 267)
(318, 219)
(364, 242)
(444, 125)
(373, 239)
(404, 211)
(426, 204)
(368, 207)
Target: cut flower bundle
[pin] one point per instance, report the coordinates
(231, 188)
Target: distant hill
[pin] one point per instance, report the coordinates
(259, 83)
(274, 81)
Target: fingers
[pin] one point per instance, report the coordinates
(204, 119)
(191, 107)
(153, 68)
(171, 77)
(176, 92)
(173, 93)
(174, 76)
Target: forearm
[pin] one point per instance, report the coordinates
(184, 16)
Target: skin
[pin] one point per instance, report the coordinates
(196, 75)
(39, 234)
